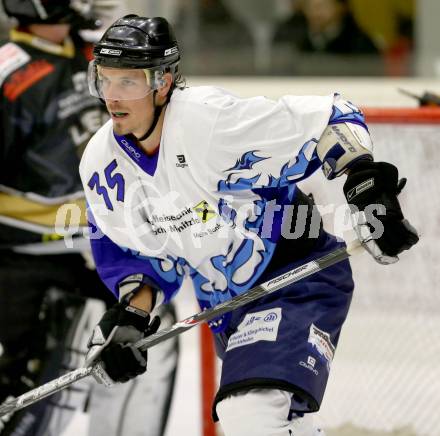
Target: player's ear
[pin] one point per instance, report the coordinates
(165, 83)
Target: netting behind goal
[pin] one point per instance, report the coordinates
(386, 374)
(385, 377)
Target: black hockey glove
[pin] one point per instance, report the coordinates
(371, 189)
(111, 347)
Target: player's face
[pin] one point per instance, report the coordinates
(129, 115)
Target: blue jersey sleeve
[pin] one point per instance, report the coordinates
(114, 264)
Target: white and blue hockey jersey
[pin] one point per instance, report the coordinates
(197, 206)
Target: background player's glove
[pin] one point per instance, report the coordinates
(371, 189)
(111, 347)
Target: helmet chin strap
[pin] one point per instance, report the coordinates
(157, 112)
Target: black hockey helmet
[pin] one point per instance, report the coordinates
(78, 13)
(138, 42)
(134, 42)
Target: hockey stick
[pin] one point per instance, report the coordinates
(12, 405)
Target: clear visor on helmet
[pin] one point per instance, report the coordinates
(121, 83)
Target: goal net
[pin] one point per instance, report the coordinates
(385, 377)
(386, 374)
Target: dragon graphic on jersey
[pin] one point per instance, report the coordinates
(305, 164)
(247, 161)
(236, 276)
(240, 184)
(228, 214)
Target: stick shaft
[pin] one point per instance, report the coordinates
(43, 391)
(252, 294)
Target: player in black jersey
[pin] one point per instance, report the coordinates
(47, 116)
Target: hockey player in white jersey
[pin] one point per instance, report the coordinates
(198, 182)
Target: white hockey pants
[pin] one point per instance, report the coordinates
(263, 412)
